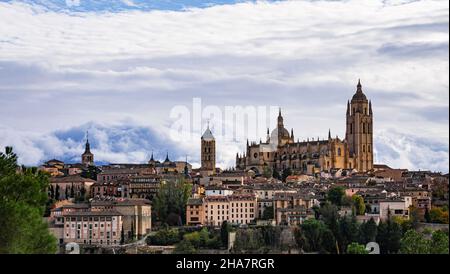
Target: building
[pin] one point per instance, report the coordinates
(208, 153)
(281, 150)
(195, 213)
(136, 214)
(293, 208)
(237, 209)
(395, 207)
(64, 185)
(93, 227)
(87, 158)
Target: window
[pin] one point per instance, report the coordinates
(368, 148)
(339, 151)
(364, 148)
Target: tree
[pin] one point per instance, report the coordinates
(335, 195)
(439, 243)
(414, 243)
(348, 232)
(72, 191)
(313, 231)
(389, 236)
(224, 230)
(52, 192)
(368, 231)
(57, 194)
(122, 236)
(438, 215)
(23, 196)
(267, 172)
(66, 193)
(427, 215)
(358, 203)
(268, 213)
(171, 199)
(355, 248)
(275, 173)
(286, 172)
(184, 247)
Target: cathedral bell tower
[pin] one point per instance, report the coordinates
(359, 130)
(87, 158)
(208, 153)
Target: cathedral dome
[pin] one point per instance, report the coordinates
(281, 133)
(359, 95)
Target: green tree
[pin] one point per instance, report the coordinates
(313, 231)
(276, 174)
(267, 172)
(427, 215)
(335, 195)
(414, 243)
(389, 236)
(268, 213)
(358, 203)
(122, 236)
(224, 230)
(438, 215)
(286, 172)
(355, 248)
(57, 193)
(171, 199)
(184, 247)
(368, 231)
(348, 232)
(439, 243)
(23, 197)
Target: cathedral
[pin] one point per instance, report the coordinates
(281, 151)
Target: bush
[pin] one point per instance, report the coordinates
(164, 237)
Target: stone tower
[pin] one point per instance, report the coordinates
(359, 131)
(87, 158)
(208, 153)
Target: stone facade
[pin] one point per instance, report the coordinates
(281, 151)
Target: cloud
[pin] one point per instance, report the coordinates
(61, 68)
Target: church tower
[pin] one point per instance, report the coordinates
(87, 158)
(208, 153)
(359, 130)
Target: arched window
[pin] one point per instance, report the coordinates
(339, 151)
(364, 127)
(368, 148)
(364, 148)
(351, 128)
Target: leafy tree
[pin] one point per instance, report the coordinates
(171, 200)
(268, 173)
(286, 172)
(271, 235)
(300, 239)
(348, 232)
(52, 192)
(329, 214)
(23, 197)
(389, 236)
(414, 243)
(328, 241)
(313, 231)
(358, 203)
(72, 191)
(122, 236)
(439, 243)
(427, 215)
(268, 213)
(224, 230)
(57, 194)
(276, 174)
(355, 248)
(184, 247)
(91, 172)
(335, 195)
(438, 215)
(368, 231)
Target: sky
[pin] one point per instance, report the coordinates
(119, 68)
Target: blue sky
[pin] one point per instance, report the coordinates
(118, 69)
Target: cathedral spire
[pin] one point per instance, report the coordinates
(329, 134)
(292, 134)
(167, 157)
(370, 107)
(348, 107)
(87, 146)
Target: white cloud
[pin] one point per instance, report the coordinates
(59, 70)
